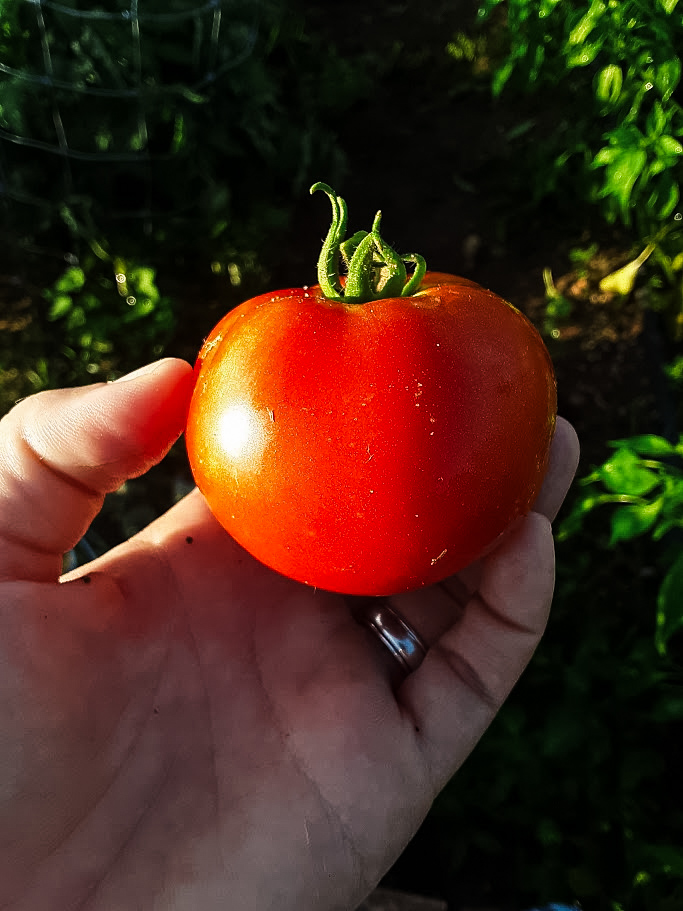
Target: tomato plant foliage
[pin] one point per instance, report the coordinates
(644, 480)
(373, 446)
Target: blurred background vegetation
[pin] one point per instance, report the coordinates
(154, 168)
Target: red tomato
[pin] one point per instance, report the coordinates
(372, 448)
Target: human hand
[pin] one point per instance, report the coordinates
(182, 728)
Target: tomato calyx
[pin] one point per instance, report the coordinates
(374, 271)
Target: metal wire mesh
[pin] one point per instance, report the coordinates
(92, 93)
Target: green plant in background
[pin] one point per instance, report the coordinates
(101, 317)
(186, 125)
(613, 67)
(105, 315)
(583, 752)
(610, 72)
(644, 478)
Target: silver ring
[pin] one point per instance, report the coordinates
(403, 643)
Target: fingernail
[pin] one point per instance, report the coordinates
(141, 371)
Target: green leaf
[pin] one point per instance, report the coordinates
(546, 7)
(623, 280)
(648, 444)
(72, 279)
(140, 309)
(621, 175)
(669, 145)
(143, 279)
(573, 522)
(608, 84)
(606, 155)
(668, 5)
(665, 196)
(655, 168)
(673, 487)
(501, 76)
(667, 76)
(670, 605)
(656, 121)
(664, 526)
(76, 318)
(537, 64)
(631, 521)
(189, 95)
(487, 7)
(625, 474)
(60, 306)
(584, 55)
(587, 23)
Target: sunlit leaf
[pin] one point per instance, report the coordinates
(669, 145)
(667, 77)
(546, 7)
(621, 175)
(647, 444)
(72, 279)
(501, 77)
(624, 473)
(622, 281)
(608, 84)
(605, 156)
(584, 54)
(60, 306)
(654, 169)
(587, 23)
(143, 277)
(665, 197)
(656, 120)
(630, 521)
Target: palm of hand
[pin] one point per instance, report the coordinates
(183, 727)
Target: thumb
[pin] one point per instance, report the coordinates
(62, 450)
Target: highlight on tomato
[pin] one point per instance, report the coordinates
(376, 432)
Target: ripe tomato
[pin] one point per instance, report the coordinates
(377, 447)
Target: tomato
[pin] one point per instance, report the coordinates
(371, 448)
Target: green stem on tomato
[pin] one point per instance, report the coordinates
(374, 270)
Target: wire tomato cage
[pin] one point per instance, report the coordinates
(102, 104)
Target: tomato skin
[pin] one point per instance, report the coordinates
(375, 448)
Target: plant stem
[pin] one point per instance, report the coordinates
(374, 270)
